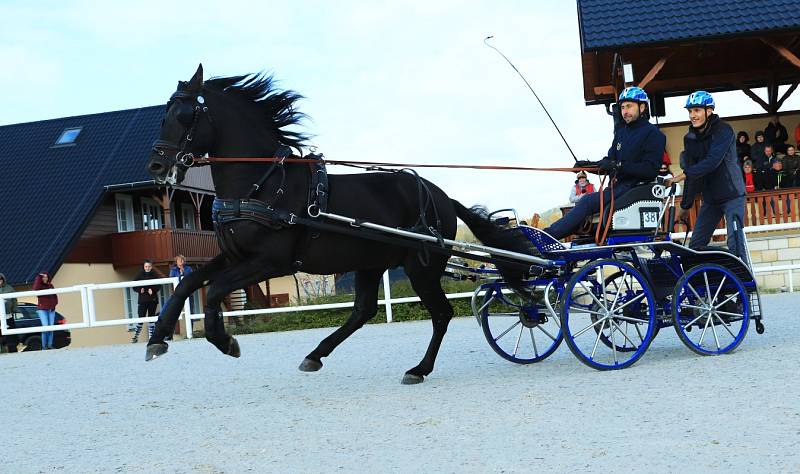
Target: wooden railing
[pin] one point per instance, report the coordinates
(161, 246)
(763, 207)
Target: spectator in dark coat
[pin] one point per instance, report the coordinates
(776, 134)
(743, 146)
(757, 153)
(791, 163)
(775, 179)
(148, 297)
(46, 307)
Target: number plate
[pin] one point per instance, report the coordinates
(650, 219)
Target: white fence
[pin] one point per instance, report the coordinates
(89, 309)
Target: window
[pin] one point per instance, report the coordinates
(152, 215)
(68, 136)
(187, 216)
(124, 213)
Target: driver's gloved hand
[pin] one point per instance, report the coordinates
(608, 165)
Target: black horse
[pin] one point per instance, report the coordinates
(246, 116)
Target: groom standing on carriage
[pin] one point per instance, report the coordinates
(634, 157)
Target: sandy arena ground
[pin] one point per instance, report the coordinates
(194, 410)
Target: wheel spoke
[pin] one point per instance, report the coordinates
(633, 344)
(597, 339)
(708, 288)
(578, 334)
(507, 331)
(714, 331)
(726, 326)
(519, 338)
(703, 334)
(727, 299)
(634, 300)
(533, 340)
(689, 285)
(539, 327)
(584, 310)
(592, 295)
(613, 344)
(486, 305)
(719, 288)
(616, 297)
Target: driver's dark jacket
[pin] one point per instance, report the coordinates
(712, 164)
(639, 146)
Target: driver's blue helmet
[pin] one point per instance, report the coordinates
(633, 94)
(699, 99)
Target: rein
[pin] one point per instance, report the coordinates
(273, 159)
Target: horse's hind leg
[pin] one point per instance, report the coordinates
(170, 313)
(365, 308)
(234, 277)
(425, 281)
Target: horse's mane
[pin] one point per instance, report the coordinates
(277, 105)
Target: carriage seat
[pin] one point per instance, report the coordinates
(638, 209)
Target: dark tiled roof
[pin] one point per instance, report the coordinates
(49, 192)
(607, 23)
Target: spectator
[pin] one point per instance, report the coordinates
(757, 152)
(46, 307)
(749, 177)
(582, 187)
(791, 163)
(148, 298)
(769, 154)
(776, 135)
(664, 173)
(180, 270)
(776, 177)
(743, 146)
(11, 307)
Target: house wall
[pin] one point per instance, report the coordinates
(749, 123)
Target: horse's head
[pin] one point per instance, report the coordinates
(186, 132)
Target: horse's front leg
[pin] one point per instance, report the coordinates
(236, 276)
(170, 313)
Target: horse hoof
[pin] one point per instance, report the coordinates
(233, 348)
(411, 379)
(155, 350)
(310, 365)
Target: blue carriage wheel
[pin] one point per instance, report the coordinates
(711, 309)
(608, 315)
(519, 331)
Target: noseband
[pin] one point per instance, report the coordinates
(176, 154)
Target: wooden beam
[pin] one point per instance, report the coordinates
(604, 90)
(753, 96)
(787, 94)
(783, 51)
(653, 71)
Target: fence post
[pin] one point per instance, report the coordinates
(387, 296)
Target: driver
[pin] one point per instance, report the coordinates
(634, 157)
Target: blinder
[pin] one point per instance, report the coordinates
(175, 154)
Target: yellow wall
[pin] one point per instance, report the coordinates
(109, 304)
(287, 285)
(749, 124)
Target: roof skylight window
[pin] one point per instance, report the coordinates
(68, 136)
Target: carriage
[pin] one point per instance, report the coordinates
(610, 301)
(277, 213)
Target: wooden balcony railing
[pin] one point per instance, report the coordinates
(161, 246)
(763, 207)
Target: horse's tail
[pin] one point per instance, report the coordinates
(491, 234)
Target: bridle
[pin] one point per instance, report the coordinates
(176, 155)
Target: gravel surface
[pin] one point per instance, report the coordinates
(104, 409)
